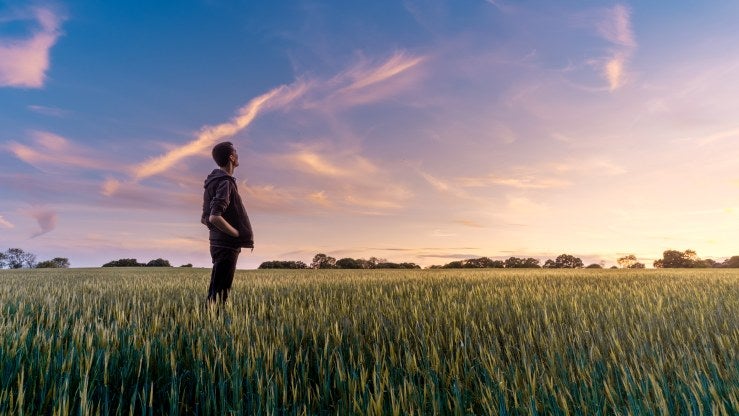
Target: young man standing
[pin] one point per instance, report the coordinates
(226, 218)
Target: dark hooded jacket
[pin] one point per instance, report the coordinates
(221, 197)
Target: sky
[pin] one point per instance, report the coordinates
(424, 131)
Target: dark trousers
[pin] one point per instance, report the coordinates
(224, 267)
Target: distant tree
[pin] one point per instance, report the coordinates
(16, 258)
(372, 262)
(297, 265)
(630, 262)
(613, 267)
(322, 261)
(158, 263)
(3, 257)
(497, 264)
(280, 264)
(513, 263)
(481, 263)
(124, 263)
(55, 263)
(710, 263)
(62, 262)
(564, 261)
(521, 263)
(594, 266)
(454, 265)
(732, 262)
(29, 260)
(348, 263)
(186, 265)
(679, 259)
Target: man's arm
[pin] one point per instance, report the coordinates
(218, 205)
(223, 225)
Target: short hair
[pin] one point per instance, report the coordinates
(221, 153)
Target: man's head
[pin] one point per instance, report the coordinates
(223, 153)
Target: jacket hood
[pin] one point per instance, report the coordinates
(217, 175)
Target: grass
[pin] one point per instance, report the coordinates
(141, 341)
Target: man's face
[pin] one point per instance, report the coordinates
(235, 158)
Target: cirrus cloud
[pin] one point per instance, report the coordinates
(209, 135)
(616, 28)
(51, 150)
(5, 223)
(24, 62)
(46, 219)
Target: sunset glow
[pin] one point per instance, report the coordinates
(413, 131)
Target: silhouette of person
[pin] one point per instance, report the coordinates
(226, 218)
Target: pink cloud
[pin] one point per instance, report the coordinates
(46, 219)
(210, 135)
(368, 82)
(24, 62)
(357, 85)
(363, 76)
(5, 223)
(51, 150)
(520, 182)
(616, 28)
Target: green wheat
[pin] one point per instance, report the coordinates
(141, 341)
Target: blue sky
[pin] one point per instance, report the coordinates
(422, 131)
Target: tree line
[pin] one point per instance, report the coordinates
(322, 261)
(16, 258)
(135, 263)
(670, 259)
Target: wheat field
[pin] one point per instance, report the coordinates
(317, 342)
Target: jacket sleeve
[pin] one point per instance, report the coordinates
(206, 209)
(222, 197)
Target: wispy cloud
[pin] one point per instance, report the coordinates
(49, 150)
(270, 198)
(5, 223)
(46, 219)
(520, 182)
(110, 186)
(470, 223)
(363, 76)
(359, 84)
(590, 166)
(445, 186)
(320, 198)
(24, 62)
(48, 111)
(370, 81)
(315, 161)
(557, 175)
(716, 137)
(137, 196)
(616, 28)
(502, 6)
(210, 135)
(438, 184)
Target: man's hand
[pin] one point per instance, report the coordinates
(223, 225)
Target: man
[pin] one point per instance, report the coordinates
(226, 218)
